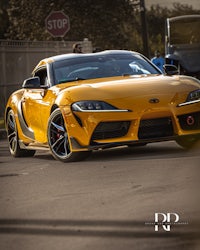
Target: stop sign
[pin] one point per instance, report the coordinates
(57, 23)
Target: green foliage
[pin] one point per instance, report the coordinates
(112, 24)
(156, 18)
(27, 19)
(3, 18)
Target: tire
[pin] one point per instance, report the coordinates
(58, 140)
(13, 139)
(186, 142)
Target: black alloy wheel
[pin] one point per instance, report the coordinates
(13, 139)
(58, 140)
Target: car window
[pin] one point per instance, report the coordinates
(100, 66)
(42, 74)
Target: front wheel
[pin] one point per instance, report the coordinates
(58, 140)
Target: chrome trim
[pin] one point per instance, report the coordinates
(188, 103)
(25, 129)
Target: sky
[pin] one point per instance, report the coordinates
(168, 3)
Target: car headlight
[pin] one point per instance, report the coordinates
(88, 106)
(193, 96)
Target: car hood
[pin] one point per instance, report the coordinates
(124, 91)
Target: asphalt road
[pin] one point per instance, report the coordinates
(107, 202)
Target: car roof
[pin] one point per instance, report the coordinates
(76, 55)
(176, 18)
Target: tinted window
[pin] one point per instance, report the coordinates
(90, 67)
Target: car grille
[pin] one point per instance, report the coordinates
(108, 130)
(155, 128)
(190, 121)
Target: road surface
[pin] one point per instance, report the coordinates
(107, 202)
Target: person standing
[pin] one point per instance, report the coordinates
(77, 48)
(158, 60)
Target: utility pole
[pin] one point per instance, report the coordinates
(139, 5)
(144, 28)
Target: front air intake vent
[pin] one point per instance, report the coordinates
(155, 128)
(109, 130)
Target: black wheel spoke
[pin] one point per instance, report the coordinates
(66, 145)
(58, 143)
(11, 135)
(13, 144)
(58, 127)
(54, 131)
(11, 124)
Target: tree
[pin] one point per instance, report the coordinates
(112, 24)
(108, 24)
(3, 18)
(27, 19)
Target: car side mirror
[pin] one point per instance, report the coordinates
(31, 83)
(170, 69)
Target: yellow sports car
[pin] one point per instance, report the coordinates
(76, 103)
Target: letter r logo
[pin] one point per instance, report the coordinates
(165, 220)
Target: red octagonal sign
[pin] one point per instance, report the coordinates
(57, 23)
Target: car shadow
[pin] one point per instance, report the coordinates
(94, 228)
(150, 151)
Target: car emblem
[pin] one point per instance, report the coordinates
(154, 100)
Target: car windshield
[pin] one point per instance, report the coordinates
(185, 31)
(100, 66)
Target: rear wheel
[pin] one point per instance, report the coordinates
(13, 139)
(58, 140)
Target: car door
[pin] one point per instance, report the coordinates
(35, 108)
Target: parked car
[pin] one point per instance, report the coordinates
(76, 103)
(182, 45)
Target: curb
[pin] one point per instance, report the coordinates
(3, 134)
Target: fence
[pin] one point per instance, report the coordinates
(18, 58)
